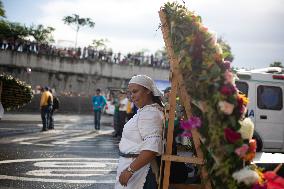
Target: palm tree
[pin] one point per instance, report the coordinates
(2, 10)
(100, 43)
(78, 22)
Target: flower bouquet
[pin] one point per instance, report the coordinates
(226, 134)
(15, 93)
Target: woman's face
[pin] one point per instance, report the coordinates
(140, 96)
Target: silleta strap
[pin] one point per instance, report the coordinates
(127, 155)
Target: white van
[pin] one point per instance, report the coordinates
(265, 88)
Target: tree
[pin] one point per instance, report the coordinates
(100, 43)
(2, 10)
(42, 34)
(78, 22)
(276, 64)
(13, 30)
(227, 54)
(16, 30)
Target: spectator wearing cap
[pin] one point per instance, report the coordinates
(45, 107)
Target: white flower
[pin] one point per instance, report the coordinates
(226, 107)
(246, 129)
(246, 175)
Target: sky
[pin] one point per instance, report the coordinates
(253, 28)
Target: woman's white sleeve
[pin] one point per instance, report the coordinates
(150, 127)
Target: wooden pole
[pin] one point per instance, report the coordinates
(172, 103)
(1, 84)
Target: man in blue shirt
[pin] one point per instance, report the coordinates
(99, 102)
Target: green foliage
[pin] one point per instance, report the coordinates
(13, 30)
(276, 64)
(15, 93)
(78, 22)
(19, 31)
(227, 54)
(42, 34)
(2, 10)
(100, 43)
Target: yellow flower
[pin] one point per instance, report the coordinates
(245, 100)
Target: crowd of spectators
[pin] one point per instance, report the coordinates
(90, 53)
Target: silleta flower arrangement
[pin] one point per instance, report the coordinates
(15, 93)
(226, 134)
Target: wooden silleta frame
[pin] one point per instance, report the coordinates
(178, 84)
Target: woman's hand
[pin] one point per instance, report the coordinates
(124, 177)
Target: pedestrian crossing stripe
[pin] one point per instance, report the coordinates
(102, 170)
(17, 178)
(63, 159)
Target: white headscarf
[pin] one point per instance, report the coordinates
(146, 82)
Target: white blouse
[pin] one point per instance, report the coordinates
(142, 132)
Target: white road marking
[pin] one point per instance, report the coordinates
(69, 140)
(263, 157)
(16, 178)
(24, 139)
(78, 151)
(67, 167)
(63, 159)
(66, 173)
(89, 136)
(69, 164)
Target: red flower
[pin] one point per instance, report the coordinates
(228, 90)
(273, 180)
(231, 135)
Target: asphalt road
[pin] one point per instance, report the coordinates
(73, 155)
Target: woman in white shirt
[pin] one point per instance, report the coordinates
(141, 139)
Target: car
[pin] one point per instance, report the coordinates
(265, 87)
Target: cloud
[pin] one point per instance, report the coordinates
(253, 28)
(123, 22)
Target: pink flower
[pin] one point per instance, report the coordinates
(241, 151)
(185, 125)
(193, 122)
(229, 77)
(227, 65)
(231, 135)
(186, 134)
